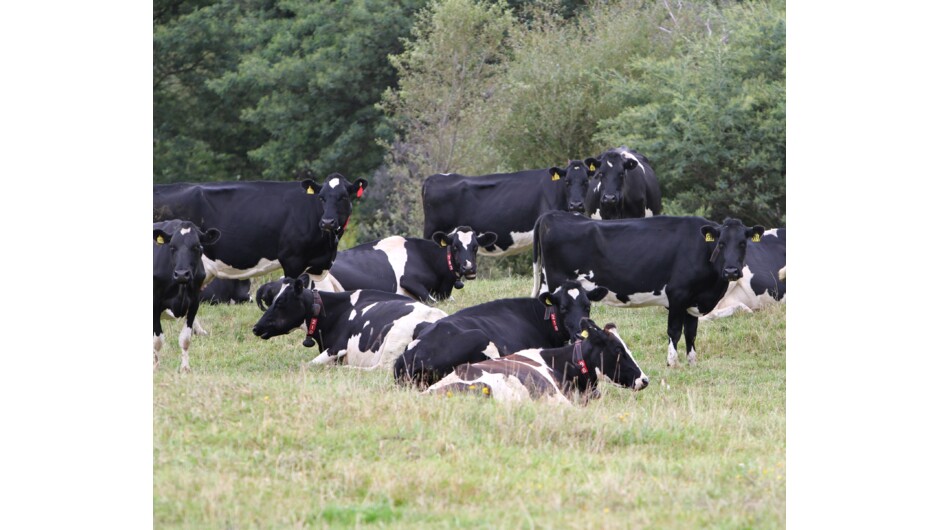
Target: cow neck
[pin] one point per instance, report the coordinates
(569, 366)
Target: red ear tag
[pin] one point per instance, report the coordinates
(359, 193)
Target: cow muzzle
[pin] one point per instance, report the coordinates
(261, 332)
(732, 273)
(182, 276)
(640, 383)
(576, 207)
(330, 225)
(608, 199)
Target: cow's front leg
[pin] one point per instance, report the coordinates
(417, 291)
(691, 329)
(157, 339)
(186, 335)
(198, 329)
(674, 330)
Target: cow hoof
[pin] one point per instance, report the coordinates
(458, 284)
(672, 361)
(185, 369)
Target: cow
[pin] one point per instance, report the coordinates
(226, 292)
(177, 276)
(362, 328)
(265, 294)
(506, 204)
(295, 226)
(425, 270)
(624, 186)
(681, 263)
(551, 374)
(763, 280)
(494, 329)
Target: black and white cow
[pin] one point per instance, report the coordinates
(177, 277)
(226, 292)
(268, 225)
(363, 328)
(426, 270)
(507, 204)
(495, 329)
(681, 263)
(265, 294)
(624, 186)
(764, 278)
(550, 374)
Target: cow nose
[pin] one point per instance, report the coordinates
(576, 206)
(328, 224)
(732, 273)
(183, 276)
(641, 383)
(608, 198)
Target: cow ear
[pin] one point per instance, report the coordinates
(545, 298)
(597, 294)
(298, 286)
(160, 237)
(442, 239)
(358, 188)
(592, 165)
(711, 233)
(311, 187)
(486, 239)
(755, 233)
(211, 236)
(557, 173)
(305, 278)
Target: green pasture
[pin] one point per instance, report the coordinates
(253, 439)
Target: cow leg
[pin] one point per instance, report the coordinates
(186, 335)
(198, 329)
(417, 291)
(157, 340)
(691, 329)
(674, 330)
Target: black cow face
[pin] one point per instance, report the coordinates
(611, 173)
(605, 349)
(292, 307)
(576, 177)
(464, 244)
(727, 246)
(185, 248)
(570, 303)
(336, 195)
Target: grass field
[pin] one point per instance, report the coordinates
(252, 439)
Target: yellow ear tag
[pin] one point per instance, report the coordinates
(548, 301)
(555, 176)
(443, 243)
(755, 238)
(709, 238)
(310, 190)
(592, 167)
(584, 333)
(159, 240)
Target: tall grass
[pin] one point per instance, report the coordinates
(251, 438)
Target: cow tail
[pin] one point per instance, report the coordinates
(536, 259)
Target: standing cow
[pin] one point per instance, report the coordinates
(624, 186)
(177, 276)
(426, 270)
(763, 280)
(507, 204)
(295, 226)
(363, 328)
(681, 263)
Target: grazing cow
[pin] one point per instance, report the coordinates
(268, 225)
(426, 270)
(495, 329)
(682, 263)
(763, 281)
(552, 374)
(363, 328)
(506, 204)
(226, 292)
(624, 186)
(177, 276)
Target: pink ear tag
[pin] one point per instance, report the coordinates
(359, 193)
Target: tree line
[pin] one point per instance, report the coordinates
(396, 91)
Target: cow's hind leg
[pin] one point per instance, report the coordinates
(674, 330)
(691, 329)
(157, 339)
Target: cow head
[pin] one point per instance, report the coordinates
(604, 349)
(568, 304)
(612, 174)
(185, 248)
(727, 245)
(462, 244)
(576, 177)
(293, 306)
(265, 294)
(336, 196)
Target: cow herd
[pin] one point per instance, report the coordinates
(595, 231)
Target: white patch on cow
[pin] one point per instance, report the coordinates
(465, 238)
(672, 357)
(573, 293)
(396, 341)
(741, 297)
(323, 358)
(649, 213)
(504, 388)
(334, 182)
(329, 284)
(468, 264)
(185, 339)
(693, 310)
(185, 231)
(598, 187)
(520, 242)
(771, 232)
(394, 249)
(354, 297)
(782, 274)
(220, 269)
(596, 215)
(352, 314)
(368, 307)
(157, 346)
(692, 356)
(197, 327)
(412, 344)
(633, 300)
(609, 164)
(284, 287)
(616, 335)
(491, 351)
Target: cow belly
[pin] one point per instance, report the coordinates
(521, 242)
(641, 299)
(220, 269)
(394, 342)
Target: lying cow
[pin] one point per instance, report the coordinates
(763, 281)
(682, 263)
(426, 270)
(495, 329)
(364, 328)
(552, 374)
(226, 292)
(507, 204)
(178, 274)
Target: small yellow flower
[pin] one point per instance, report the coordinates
(486, 390)
(450, 394)
(606, 510)
(266, 398)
